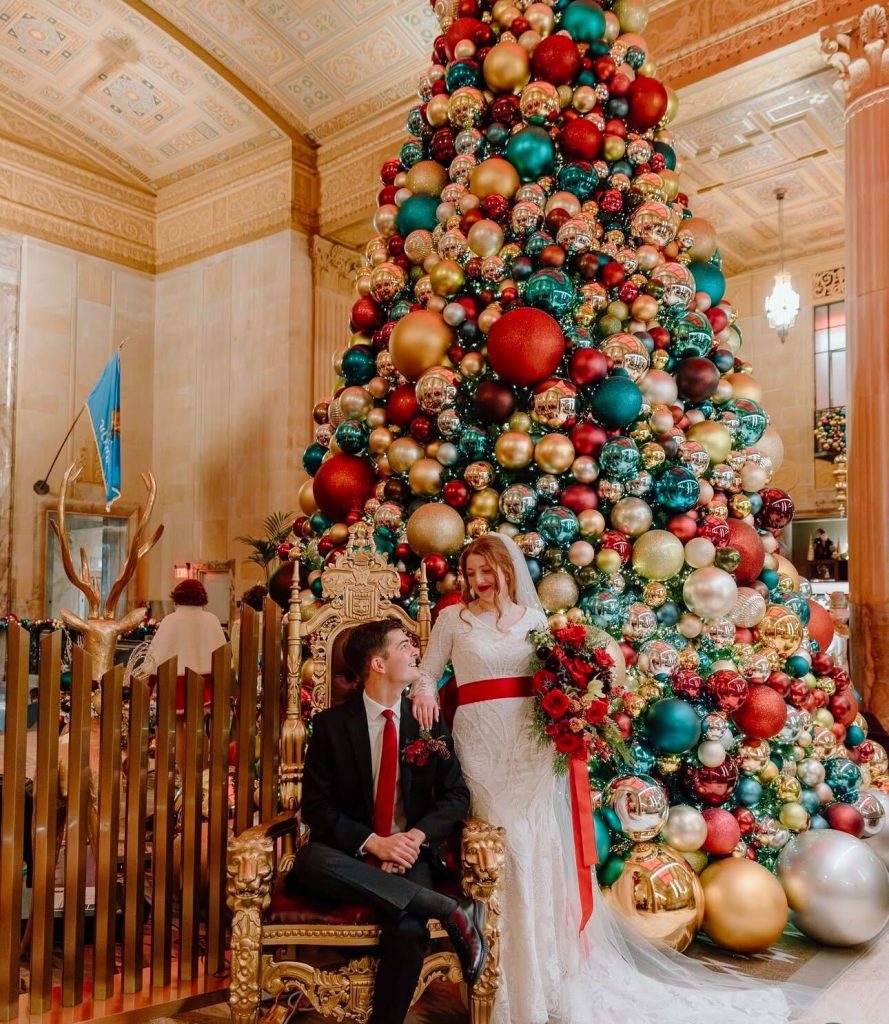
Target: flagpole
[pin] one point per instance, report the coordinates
(41, 486)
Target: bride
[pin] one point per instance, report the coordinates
(549, 971)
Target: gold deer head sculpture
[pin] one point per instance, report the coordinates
(101, 631)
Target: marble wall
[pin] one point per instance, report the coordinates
(786, 373)
(10, 283)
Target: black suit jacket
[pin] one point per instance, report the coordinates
(338, 797)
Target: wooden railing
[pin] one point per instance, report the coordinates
(104, 797)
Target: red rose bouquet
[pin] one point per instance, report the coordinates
(572, 683)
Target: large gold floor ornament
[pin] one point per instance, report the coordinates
(101, 631)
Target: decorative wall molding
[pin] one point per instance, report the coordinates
(857, 49)
(829, 284)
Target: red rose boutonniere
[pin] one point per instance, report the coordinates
(425, 746)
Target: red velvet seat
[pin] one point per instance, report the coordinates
(288, 907)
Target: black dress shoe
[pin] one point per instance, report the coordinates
(465, 928)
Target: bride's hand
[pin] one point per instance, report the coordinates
(425, 710)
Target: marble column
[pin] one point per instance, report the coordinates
(10, 282)
(334, 269)
(858, 50)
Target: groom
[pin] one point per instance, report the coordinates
(375, 817)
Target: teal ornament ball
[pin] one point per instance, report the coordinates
(579, 178)
(359, 364)
(603, 609)
(532, 153)
(692, 335)
(610, 870)
(672, 725)
(843, 776)
(796, 665)
(351, 436)
(751, 421)
(411, 153)
(855, 735)
(313, 457)
(603, 837)
(748, 792)
(641, 756)
(558, 526)
(619, 458)
(417, 213)
(584, 21)
(550, 290)
(616, 402)
(677, 490)
(474, 444)
(708, 279)
(461, 74)
(668, 153)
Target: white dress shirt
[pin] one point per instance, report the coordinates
(375, 722)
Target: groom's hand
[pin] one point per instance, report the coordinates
(402, 849)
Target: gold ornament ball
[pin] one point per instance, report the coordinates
(558, 592)
(632, 15)
(704, 238)
(472, 364)
(794, 816)
(485, 238)
(745, 909)
(403, 453)
(771, 445)
(644, 308)
(355, 403)
(485, 504)
(306, 499)
(425, 477)
(554, 453)
(672, 105)
(418, 245)
(614, 147)
(437, 110)
(541, 18)
(658, 555)
(781, 630)
(507, 67)
(713, 436)
(447, 278)
(744, 386)
(514, 449)
(427, 178)
(379, 440)
(420, 341)
(785, 567)
(494, 176)
(436, 527)
(608, 560)
(660, 895)
(591, 522)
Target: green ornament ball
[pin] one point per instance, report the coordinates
(672, 725)
(584, 21)
(709, 279)
(532, 153)
(610, 870)
(417, 213)
(616, 402)
(603, 837)
(550, 290)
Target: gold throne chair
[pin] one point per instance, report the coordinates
(283, 947)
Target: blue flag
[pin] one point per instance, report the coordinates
(103, 405)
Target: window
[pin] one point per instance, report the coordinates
(103, 539)
(830, 355)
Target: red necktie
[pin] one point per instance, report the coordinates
(384, 805)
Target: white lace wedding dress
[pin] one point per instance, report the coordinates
(610, 975)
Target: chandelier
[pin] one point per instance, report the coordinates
(782, 306)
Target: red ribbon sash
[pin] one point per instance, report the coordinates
(585, 854)
(494, 689)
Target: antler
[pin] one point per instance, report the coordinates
(91, 593)
(137, 549)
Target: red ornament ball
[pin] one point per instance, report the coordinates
(455, 493)
(579, 497)
(727, 689)
(525, 346)
(723, 832)
(763, 714)
(454, 597)
(587, 366)
(588, 438)
(402, 406)
(718, 319)
(845, 818)
(343, 483)
(820, 624)
(712, 786)
(436, 567)
(366, 316)
(745, 818)
(843, 706)
(648, 103)
(683, 527)
(494, 401)
(747, 542)
(580, 140)
(556, 60)
(460, 29)
(697, 378)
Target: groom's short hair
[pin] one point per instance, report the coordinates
(366, 641)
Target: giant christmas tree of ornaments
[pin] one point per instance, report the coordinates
(541, 345)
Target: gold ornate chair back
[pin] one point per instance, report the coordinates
(359, 586)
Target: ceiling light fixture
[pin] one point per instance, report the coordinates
(782, 306)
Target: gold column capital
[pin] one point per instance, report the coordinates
(857, 48)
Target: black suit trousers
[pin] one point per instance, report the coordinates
(404, 938)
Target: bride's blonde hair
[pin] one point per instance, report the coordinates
(497, 557)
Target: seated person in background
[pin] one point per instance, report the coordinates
(823, 545)
(190, 634)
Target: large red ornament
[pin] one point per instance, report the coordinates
(343, 483)
(747, 542)
(648, 103)
(712, 786)
(845, 818)
(723, 831)
(580, 140)
(763, 714)
(697, 378)
(820, 624)
(402, 406)
(587, 366)
(556, 60)
(718, 319)
(525, 346)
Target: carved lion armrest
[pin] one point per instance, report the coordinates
(483, 855)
